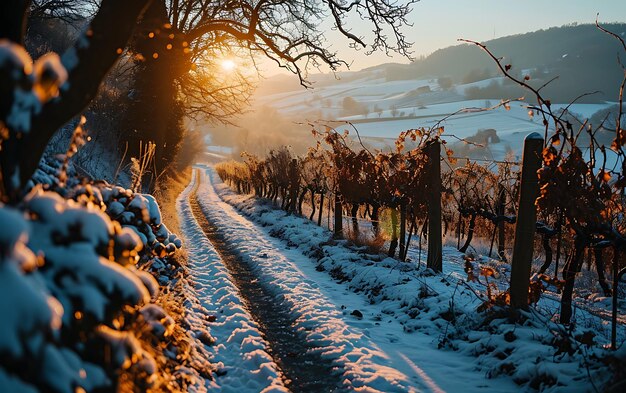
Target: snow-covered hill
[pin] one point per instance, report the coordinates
(381, 109)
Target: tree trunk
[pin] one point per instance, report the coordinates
(412, 229)
(13, 19)
(353, 214)
(470, 233)
(301, 200)
(559, 239)
(87, 64)
(284, 202)
(338, 229)
(294, 185)
(402, 231)
(156, 112)
(501, 225)
(458, 231)
(319, 216)
(600, 267)
(569, 274)
(548, 251)
(313, 207)
(375, 218)
(493, 239)
(616, 257)
(394, 233)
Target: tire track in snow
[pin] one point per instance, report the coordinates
(239, 351)
(364, 366)
(305, 370)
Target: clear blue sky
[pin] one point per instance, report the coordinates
(439, 23)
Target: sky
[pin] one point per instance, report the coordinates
(439, 23)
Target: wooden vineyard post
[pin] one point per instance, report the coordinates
(294, 184)
(403, 244)
(614, 305)
(319, 216)
(338, 229)
(526, 221)
(434, 261)
(501, 226)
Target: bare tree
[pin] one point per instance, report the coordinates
(194, 33)
(289, 32)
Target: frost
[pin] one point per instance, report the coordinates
(408, 312)
(115, 209)
(149, 282)
(153, 209)
(30, 313)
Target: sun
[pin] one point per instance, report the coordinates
(228, 65)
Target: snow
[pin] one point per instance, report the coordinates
(238, 351)
(481, 84)
(426, 325)
(31, 85)
(68, 275)
(364, 366)
(49, 75)
(371, 90)
(25, 104)
(584, 110)
(31, 316)
(375, 353)
(15, 57)
(420, 109)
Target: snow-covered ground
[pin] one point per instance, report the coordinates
(396, 106)
(216, 314)
(390, 326)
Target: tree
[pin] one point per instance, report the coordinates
(188, 37)
(288, 32)
(378, 110)
(394, 110)
(351, 107)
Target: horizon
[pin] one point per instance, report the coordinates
(495, 22)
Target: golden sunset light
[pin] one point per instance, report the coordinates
(228, 65)
(312, 196)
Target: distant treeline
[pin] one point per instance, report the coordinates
(584, 59)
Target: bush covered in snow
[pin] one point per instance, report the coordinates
(80, 261)
(77, 278)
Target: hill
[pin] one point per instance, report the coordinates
(583, 57)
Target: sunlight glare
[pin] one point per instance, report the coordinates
(228, 65)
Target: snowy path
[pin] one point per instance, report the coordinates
(303, 370)
(239, 351)
(371, 353)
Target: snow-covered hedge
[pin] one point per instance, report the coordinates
(75, 282)
(136, 211)
(80, 262)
